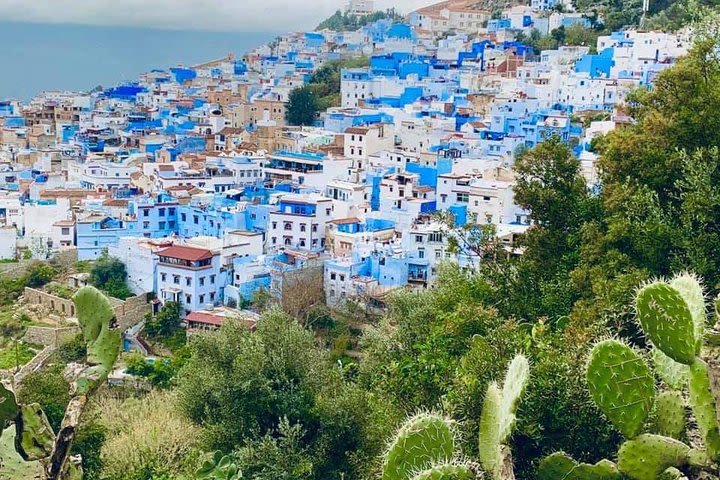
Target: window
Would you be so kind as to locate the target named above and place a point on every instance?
(274, 224)
(161, 212)
(161, 225)
(274, 240)
(288, 226)
(176, 279)
(421, 253)
(188, 281)
(418, 238)
(146, 212)
(314, 228)
(171, 225)
(201, 298)
(332, 276)
(171, 211)
(212, 296)
(188, 298)
(65, 231)
(436, 237)
(342, 278)
(146, 224)
(303, 227)
(438, 254)
(212, 279)
(202, 281)
(163, 277)
(462, 197)
(195, 219)
(183, 217)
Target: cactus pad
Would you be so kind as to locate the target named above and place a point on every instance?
(667, 321)
(670, 414)
(95, 313)
(8, 406)
(675, 374)
(35, 438)
(689, 287)
(423, 441)
(489, 437)
(447, 472)
(516, 379)
(560, 466)
(704, 408)
(219, 467)
(647, 456)
(672, 473)
(622, 385)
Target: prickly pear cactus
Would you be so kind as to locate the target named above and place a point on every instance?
(704, 408)
(8, 406)
(516, 379)
(674, 374)
(95, 313)
(670, 414)
(667, 321)
(498, 415)
(35, 435)
(219, 467)
(12, 465)
(692, 291)
(447, 472)
(423, 441)
(672, 473)
(561, 466)
(648, 456)
(489, 437)
(622, 385)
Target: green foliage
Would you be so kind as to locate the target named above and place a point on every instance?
(302, 106)
(321, 93)
(342, 21)
(88, 444)
(276, 455)
(218, 467)
(238, 384)
(167, 321)
(622, 385)
(74, 350)
(48, 388)
(670, 414)
(39, 274)
(422, 442)
(561, 466)
(109, 274)
(647, 456)
(704, 408)
(159, 373)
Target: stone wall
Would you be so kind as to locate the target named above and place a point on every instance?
(50, 336)
(127, 313)
(131, 311)
(52, 302)
(34, 364)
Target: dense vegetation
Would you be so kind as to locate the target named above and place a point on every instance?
(280, 405)
(320, 93)
(343, 21)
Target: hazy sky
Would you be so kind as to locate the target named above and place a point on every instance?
(227, 15)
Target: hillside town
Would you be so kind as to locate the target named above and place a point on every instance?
(192, 177)
(475, 240)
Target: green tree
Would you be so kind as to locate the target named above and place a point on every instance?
(109, 274)
(48, 388)
(167, 321)
(39, 274)
(302, 107)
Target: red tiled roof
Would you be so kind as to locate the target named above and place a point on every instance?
(344, 221)
(190, 254)
(204, 317)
